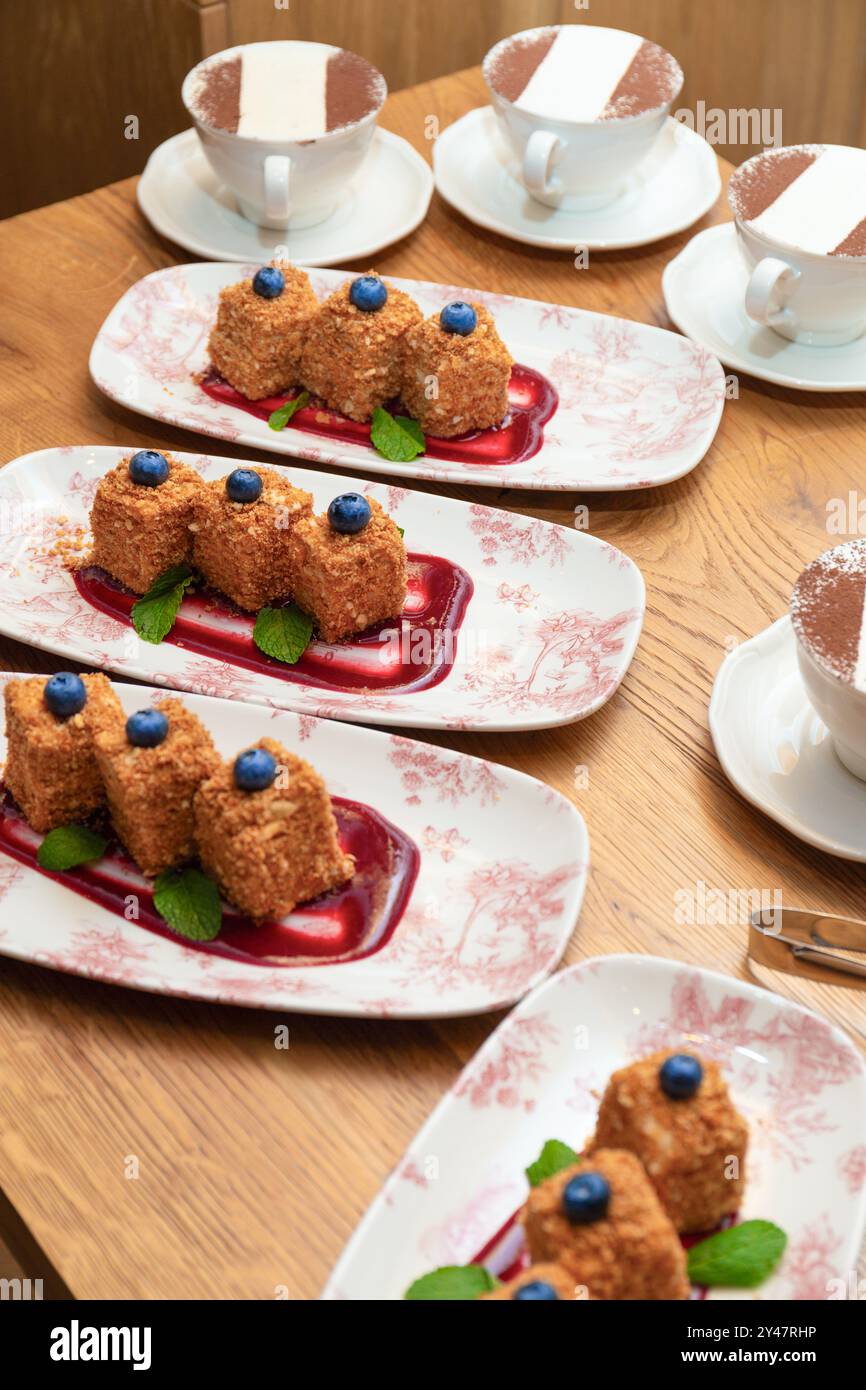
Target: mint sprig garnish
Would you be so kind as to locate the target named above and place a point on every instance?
(154, 613)
(69, 845)
(279, 418)
(739, 1257)
(190, 902)
(452, 1283)
(283, 633)
(396, 437)
(555, 1156)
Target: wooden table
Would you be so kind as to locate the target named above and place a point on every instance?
(256, 1163)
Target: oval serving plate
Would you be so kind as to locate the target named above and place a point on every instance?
(598, 403)
(541, 632)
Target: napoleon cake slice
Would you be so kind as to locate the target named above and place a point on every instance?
(141, 516)
(51, 768)
(349, 567)
(540, 1283)
(674, 1113)
(261, 326)
(352, 356)
(265, 830)
(456, 371)
(151, 764)
(241, 534)
(602, 1221)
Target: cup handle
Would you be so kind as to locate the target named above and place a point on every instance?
(277, 171)
(539, 151)
(770, 284)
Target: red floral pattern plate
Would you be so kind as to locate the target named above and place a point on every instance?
(479, 920)
(532, 624)
(632, 405)
(799, 1082)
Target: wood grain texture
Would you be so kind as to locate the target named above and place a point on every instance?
(255, 1164)
(80, 70)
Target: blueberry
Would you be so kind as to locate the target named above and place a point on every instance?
(269, 282)
(680, 1076)
(536, 1291)
(243, 485)
(147, 468)
(459, 318)
(255, 770)
(65, 694)
(585, 1198)
(146, 728)
(349, 513)
(368, 292)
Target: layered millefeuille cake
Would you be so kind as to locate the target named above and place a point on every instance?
(254, 537)
(666, 1162)
(261, 826)
(366, 345)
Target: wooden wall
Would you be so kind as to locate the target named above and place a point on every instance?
(72, 72)
(75, 70)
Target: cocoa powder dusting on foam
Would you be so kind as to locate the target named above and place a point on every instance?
(761, 180)
(515, 63)
(827, 607)
(218, 97)
(652, 78)
(854, 243)
(353, 87)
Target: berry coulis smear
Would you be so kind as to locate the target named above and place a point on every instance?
(532, 400)
(346, 925)
(407, 654)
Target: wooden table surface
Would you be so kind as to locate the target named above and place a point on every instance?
(255, 1163)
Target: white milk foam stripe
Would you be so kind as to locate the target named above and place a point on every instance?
(822, 206)
(579, 73)
(283, 91)
(860, 668)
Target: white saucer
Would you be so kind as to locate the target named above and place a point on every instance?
(182, 198)
(475, 172)
(778, 753)
(704, 288)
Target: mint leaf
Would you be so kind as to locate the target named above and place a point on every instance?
(154, 613)
(452, 1283)
(741, 1257)
(190, 902)
(553, 1158)
(278, 419)
(283, 633)
(396, 437)
(69, 845)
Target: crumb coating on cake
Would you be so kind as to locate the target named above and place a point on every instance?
(272, 849)
(51, 768)
(554, 1275)
(140, 532)
(453, 384)
(633, 1252)
(150, 790)
(352, 359)
(685, 1146)
(256, 343)
(349, 583)
(243, 548)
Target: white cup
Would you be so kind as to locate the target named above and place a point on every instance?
(283, 183)
(840, 705)
(574, 165)
(805, 296)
